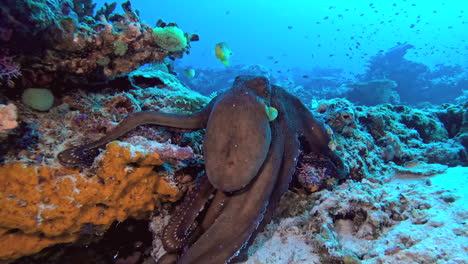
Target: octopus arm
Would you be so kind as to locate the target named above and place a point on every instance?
(84, 155)
(177, 233)
(316, 137)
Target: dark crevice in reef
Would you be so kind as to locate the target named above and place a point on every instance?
(124, 242)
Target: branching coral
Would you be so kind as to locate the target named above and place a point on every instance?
(9, 70)
(42, 206)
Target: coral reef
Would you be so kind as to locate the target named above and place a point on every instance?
(397, 207)
(211, 81)
(42, 206)
(400, 218)
(374, 139)
(415, 81)
(373, 92)
(128, 180)
(77, 48)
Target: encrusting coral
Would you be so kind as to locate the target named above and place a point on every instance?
(43, 206)
(77, 47)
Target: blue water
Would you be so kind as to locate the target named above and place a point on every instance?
(288, 34)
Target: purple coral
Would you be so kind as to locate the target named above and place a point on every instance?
(9, 69)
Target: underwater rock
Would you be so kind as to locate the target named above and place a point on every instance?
(165, 91)
(373, 92)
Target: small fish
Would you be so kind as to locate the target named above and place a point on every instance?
(290, 27)
(271, 112)
(332, 145)
(190, 72)
(305, 76)
(223, 52)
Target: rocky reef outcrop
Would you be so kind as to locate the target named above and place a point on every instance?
(74, 46)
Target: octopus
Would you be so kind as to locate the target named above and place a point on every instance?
(255, 134)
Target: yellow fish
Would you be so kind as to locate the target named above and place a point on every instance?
(223, 52)
(271, 112)
(190, 72)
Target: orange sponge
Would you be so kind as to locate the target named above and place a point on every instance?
(49, 205)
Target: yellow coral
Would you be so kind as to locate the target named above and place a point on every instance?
(48, 205)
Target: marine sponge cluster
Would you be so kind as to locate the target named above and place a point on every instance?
(43, 206)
